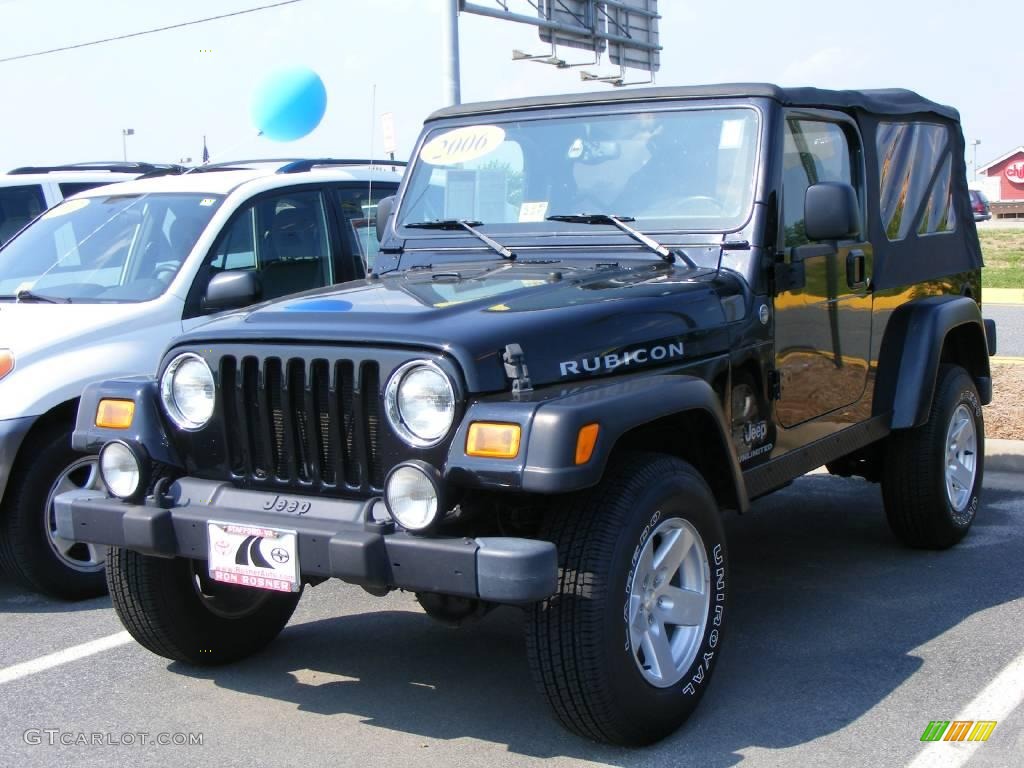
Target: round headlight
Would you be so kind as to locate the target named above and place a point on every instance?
(187, 391)
(420, 402)
(412, 496)
(120, 469)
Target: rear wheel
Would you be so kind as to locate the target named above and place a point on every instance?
(173, 608)
(30, 549)
(933, 473)
(624, 650)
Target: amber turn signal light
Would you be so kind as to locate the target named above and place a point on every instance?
(585, 442)
(493, 441)
(115, 414)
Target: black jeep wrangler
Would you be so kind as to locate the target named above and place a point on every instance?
(595, 323)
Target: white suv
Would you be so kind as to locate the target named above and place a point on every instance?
(97, 286)
(27, 192)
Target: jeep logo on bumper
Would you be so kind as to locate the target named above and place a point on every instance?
(611, 361)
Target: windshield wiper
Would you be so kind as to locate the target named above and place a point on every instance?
(469, 227)
(26, 295)
(666, 254)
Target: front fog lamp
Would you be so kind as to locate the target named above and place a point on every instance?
(413, 497)
(187, 391)
(121, 469)
(420, 402)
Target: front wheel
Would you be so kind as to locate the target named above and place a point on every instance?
(173, 608)
(30, 549)
(933, 473)
(625, 649)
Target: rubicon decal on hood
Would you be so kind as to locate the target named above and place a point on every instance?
(613, 360)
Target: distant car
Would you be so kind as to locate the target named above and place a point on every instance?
(26, 192)
(97, 286)
(980, 205)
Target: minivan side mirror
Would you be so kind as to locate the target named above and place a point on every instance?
(831, 211)
(384, 208)
(231, 290)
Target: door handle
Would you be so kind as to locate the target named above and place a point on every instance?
(856, 269)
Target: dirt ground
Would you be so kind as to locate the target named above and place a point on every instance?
(1005, 416)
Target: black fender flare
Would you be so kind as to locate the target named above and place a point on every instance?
(911, 351)
(147, 428)
(551, 424)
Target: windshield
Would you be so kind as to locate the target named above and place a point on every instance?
(122, 248)
(682, 170)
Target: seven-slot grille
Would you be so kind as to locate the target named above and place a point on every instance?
(303, 421)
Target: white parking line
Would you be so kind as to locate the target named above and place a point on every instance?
(74, 653)
(999, 699)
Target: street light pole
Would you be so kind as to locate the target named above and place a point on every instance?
(450, 46)
(975, 144)
(125, 133)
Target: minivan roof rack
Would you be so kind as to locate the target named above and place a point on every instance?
(231, 165)
(112, 167)
(226, 165)
(301, 166)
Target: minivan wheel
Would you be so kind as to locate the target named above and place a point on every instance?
(624, 650)
(933, 473)
(30, 549)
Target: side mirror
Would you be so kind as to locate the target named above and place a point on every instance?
(231, 290)
(384, 208)
(831, 211)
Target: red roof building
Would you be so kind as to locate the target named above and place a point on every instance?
(1009, 170)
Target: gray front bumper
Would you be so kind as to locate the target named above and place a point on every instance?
(12, 433)
(334, 540)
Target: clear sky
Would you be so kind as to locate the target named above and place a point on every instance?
(173, 87)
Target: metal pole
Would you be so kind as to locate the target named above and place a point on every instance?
(450, 46)
(124, 145)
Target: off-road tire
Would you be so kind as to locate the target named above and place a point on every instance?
(578, 641)
(917, 504)
(158, 603)
(26, 553)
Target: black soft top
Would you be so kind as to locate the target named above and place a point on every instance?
(878, 101)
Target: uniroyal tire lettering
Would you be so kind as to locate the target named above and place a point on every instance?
(704, 665)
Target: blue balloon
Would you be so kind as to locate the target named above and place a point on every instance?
(289, 103)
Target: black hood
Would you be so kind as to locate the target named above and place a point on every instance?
(571, 322)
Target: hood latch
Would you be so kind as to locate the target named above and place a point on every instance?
(515, 369)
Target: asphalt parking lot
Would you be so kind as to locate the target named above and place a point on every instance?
(842, 647)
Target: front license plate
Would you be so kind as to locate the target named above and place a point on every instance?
(253, 556)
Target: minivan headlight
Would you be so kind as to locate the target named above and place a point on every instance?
(187, 391)
(420, 403)
(6, 362)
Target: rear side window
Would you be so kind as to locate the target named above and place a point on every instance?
(69, 188)
(916, 179)
(359, 220)
(18, 206)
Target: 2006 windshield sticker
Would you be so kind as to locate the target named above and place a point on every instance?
(462, 144)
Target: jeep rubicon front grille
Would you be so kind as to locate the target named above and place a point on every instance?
(313, 423)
